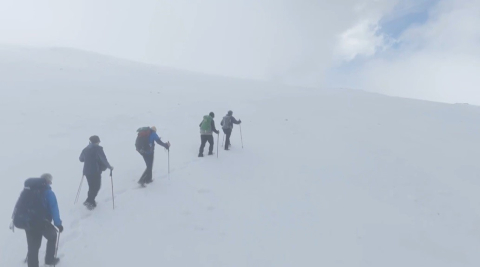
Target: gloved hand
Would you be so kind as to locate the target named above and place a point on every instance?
(60, 228)
(217, 132)
(111, 168)
(239, 121)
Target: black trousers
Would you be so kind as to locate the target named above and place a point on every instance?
(147, 175)
(94, 184)
(34, 240)
(204, 139)
(228, 133)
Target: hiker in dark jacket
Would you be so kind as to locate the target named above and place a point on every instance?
(45, 227)
(148, 155)
(95, 162)
(207, 128)
(227, 126)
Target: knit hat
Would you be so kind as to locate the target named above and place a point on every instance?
(94, 139)
(230, 113)
(47, 176)
(212, 114)
(154, 128)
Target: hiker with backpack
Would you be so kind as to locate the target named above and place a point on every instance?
(35, 209)
(95, 162)
(207, 128)
(145, 145)
(227, 126)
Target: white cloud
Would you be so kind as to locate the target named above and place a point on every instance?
(360, 40)
(438, 61)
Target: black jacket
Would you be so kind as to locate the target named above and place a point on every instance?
(94, 159)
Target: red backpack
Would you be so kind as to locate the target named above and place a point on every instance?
(143, 137)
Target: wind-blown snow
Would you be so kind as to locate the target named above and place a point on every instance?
(326, 177)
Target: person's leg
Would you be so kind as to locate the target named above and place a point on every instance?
(203, 139)
(144, 176)
(228, 133)
(210, 141)
(96, 183)
(34, 241)
(50, 233)
(149, 177)
(91, 185)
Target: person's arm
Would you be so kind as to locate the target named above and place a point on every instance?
(103, 158)
(82, 156)
(159, 141)
(235, 121)
(53, 207)
(213, 127)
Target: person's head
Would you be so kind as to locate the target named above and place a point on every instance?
(230, 113)
(48, 178)
(212, 114)
(94, 139)
(154, 128)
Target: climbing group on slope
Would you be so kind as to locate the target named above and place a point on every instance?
(37, 207)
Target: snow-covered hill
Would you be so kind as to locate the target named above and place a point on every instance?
(326, 177)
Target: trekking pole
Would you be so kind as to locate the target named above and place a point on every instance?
(218, 140)
(223, 139)
(56, 248)
(113, 196)
(169, 163)
(78, 193)
(241, 137)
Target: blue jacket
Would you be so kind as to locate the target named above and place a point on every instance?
(151, 142)
(95, 160)
(49, 202)
(51, 206)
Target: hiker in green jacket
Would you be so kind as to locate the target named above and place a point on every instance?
(207, 128)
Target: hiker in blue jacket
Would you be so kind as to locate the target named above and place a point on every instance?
(95, 162)
(148, 155)
(45, 227)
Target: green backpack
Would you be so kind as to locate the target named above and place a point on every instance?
(206, 126)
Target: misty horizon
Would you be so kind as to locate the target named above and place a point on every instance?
(427, 49)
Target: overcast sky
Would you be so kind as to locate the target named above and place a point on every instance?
(428, 49)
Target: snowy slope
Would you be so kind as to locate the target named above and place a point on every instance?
(326, 177)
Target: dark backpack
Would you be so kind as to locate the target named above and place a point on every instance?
(227, 122)
(143, 137)
(30, 210)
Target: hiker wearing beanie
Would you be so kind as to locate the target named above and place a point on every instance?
(35, 209)
(207, 128)
(95, 162)
(145, 144)
(227, 126)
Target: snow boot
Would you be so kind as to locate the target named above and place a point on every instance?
(52, 262)
(200, 155)
(210, 153)
(90, 205)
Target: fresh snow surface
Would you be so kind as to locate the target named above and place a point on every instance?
(325, 178)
